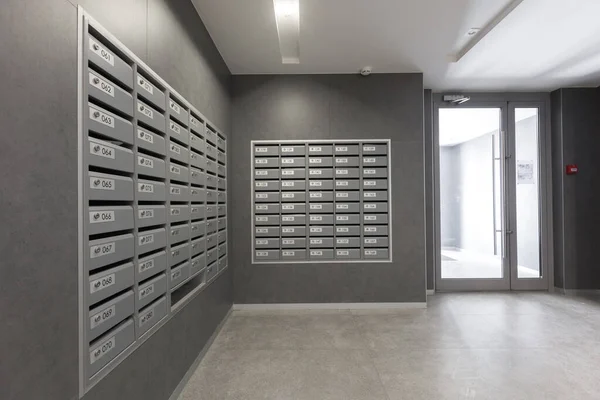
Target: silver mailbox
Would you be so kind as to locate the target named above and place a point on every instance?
(347, 161)
(149, 116)
(347, 254)
(107, 347)
(177, 111)
(150, 141)
(179, 274)
(150, 215)
(292, 231)
(105, 251)
(108, 124)
(345, 173)
(179, 213)
(151, 240)
(151, 290)
(316, 196)
(347, 196)
(326, 208)
(320, 231)
(376, 230)
(375, 184)
(109, 282)
(293, 243)
(293, 150)
(347, 230)
(109, 187)
(346, 149)
(109, 219)
(320, 219)
(265, 162)
(178, 173)
(107, 315)
(267, 150)
(347, 242)
(198, 229)
(374, 173)
(150, 190)
(320, 185)
(320, 149)
(293, 173)
(178, 152)
(381, 254)
(267, 186)
(322, 254)
(293, 220)
(106, 91)
(290, 208)
(375, 195)
(347, 207)
(345, 184)
(292, 185)
(260, 197)
(347, 219)
(317, 243)
(150, 166)
(375, 161)
(320, 162)
(375, 219)
(376, 242)
(293, 255)
(179, 254)
(266, 174)
(374, 149)
(292, 197)
(151, 315)
(105, 59)
(151, 265)
(320, 173)
(150, 92)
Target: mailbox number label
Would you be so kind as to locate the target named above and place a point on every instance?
(102, 52)
(102, 250)
(97, 217)
(145, 162)
(146, 317)
(146, 265)
(102, 316)
(146, 239)
(145, 188)
(102, 85)
(146, 214)
(102, 151)
(100, 351)
(145, 136)
(145, 85)
(175, 128)
(102, 283)
(147, 291)
(102, 184)
(101, 117)
(146, 110)
(175, 107)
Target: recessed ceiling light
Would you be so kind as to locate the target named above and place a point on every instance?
(287, 17)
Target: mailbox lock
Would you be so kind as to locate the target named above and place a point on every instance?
(96, 114)
(96, 47)
(141, 108)
(96, 81)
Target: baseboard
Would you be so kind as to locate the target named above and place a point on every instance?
(327, 306)
(576, 292)
(430, 292)
(177, 392)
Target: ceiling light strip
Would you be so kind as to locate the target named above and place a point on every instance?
(287, 18)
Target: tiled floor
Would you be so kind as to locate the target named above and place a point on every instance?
(464, 346)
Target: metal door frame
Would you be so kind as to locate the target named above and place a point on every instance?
(506, 102)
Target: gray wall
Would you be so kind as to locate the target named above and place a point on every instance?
(329, 107)
(38, 201)
(429, 202)
(576, 135)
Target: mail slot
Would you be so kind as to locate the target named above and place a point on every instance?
(320, 219)
(267, 186)
(267, 243)
(374, 173)
(149, 116)
(197, 211)
(221, 211)
(197, 125)
(320, 173)
(320, 231)
(320, 150)
(150, 92)
(148, 215)
(289, 208)
(211, 181)
(347, 219)
(376, 242)
(376, 195)
(315, 196)
(375, 161)
(376, 254)
(211, 226)
(107, 315)
(374, 184)
(293, 255)
(347, 162)
(106, 283)
(293, 173)
(198, 246)
(197, 177)
(151, 290)
(374, 149)
(211, 166)
(264, 255)
(293, 220)
(210, 135)
(347, 254)
(317, 243)
(198, 264)
(221, 144)
(197, 143)
(179, 254)
(221, 184)
(198, 229)
(197, 194)
(347, 196)
(347, 231)
(179, 192)
(150, 166)
(375, 207)
(150, 141)
(107, 347)
(266, 174)
(151, 240)
(221, 157)
(177, 111)
(347, 184)
(222, 223)
(375, 219)
(293, 243)
(322, 254)
(151, 315)
(178, 152)
(109, 62)
(151, 265)
(266, 150)
(290, 197)
(260, 197)
(211, 196)
(376, 230)
(108, 92)
(266, 162)
(293, 231)
(347, 173)
(108, 124)
(222, 171)
(320, 161)
(150, 190)
(109, 219)
(101, 252)
(197, 160)
(178, 173)
(180, 274)
(346, 149)
(347, 207)
(179, 233)
(298, 150)
(347, 242)
(291, 185)
(326, 208)
(211, 211)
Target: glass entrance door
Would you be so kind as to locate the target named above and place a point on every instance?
(488, 197)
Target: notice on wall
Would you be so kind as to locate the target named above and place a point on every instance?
(525, 172)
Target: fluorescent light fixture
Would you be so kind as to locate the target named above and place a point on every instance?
(287, 17)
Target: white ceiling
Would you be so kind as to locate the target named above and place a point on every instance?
(541, 45)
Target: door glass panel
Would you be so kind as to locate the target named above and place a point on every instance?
(527, 207)
(470, 193)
